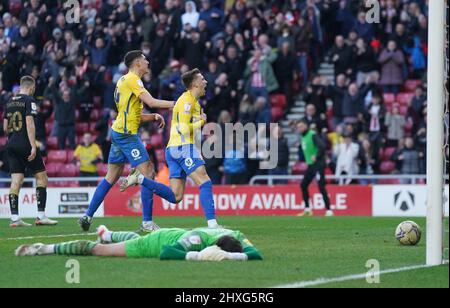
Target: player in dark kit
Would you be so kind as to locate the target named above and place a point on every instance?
(22, 153)
(314, 152)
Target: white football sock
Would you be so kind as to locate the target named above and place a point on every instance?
(47, 250)
(107, 236)
(14, 218)
(41, 215)
(212, 223)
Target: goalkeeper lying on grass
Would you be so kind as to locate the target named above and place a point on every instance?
(202, 244)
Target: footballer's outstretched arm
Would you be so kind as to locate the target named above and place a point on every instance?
(153, 117)
(152, 102)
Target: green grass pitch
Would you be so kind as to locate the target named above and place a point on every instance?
(295, 250)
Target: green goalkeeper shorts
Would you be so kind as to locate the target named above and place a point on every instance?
(143, 247)
(150, 246)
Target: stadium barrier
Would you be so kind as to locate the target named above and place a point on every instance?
(246, 200)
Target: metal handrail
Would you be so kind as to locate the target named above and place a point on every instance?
(412, 177)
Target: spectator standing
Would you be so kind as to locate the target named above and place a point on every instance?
(392, 62)
(347, 159)
(88, 154)
(64, 114)
(395, 123)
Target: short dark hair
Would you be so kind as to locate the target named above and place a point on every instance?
(27, 82)
(131, 56)
(189, 77)
(229, 244)
(304, 121)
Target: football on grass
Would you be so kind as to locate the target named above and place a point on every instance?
(408, 233)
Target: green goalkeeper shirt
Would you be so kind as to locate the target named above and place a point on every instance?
(180, 241)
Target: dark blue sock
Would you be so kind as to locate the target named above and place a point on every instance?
(99, 196)
(160, 190)
(207, 201)
(147, 204)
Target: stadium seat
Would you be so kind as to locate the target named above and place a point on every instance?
(299, 168)
(389, 182)
(404, 98)
(277, 113)
(95, 114)
(97, 101)
(57, 156)
(328, 171)
(388, 98)
(48, 128)
(70, 155)
(52, 143)
(81, 128)
(278, 100)
(102, 169)
(92, 127)
(403, 110)
(387, 153)
(53, 168)
(3, 140)
(387, 167)
(411, 85)
(157, 141)
(68, 170)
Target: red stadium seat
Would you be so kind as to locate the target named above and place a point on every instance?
(52, 143)
(48, 127)
(328, 171)
(82, 128)
(102, 169)
(160, 156)
(157, 141)
(92, 127)
(404, 98)
(68, 170)
(70, 155)
(389, 182)
(97, 101)
(411, 85)
(388, 98)
(387, 167)
(403, 110)
(299, 168)
(53, 168)
(388, 153)
(278, 100)
(58, 156)
(277, 113)
(95, 114)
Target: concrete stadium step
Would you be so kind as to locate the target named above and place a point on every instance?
(298, 110)
(294, 116)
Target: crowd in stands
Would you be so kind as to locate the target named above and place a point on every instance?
(258, 56)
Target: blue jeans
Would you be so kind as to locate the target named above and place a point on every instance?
(66, 132)
(257, 92)
(303, 64)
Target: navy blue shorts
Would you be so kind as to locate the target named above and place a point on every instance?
(125, 148)
(183, 160)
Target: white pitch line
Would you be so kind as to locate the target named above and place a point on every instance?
(47, 236)
(322, 281)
